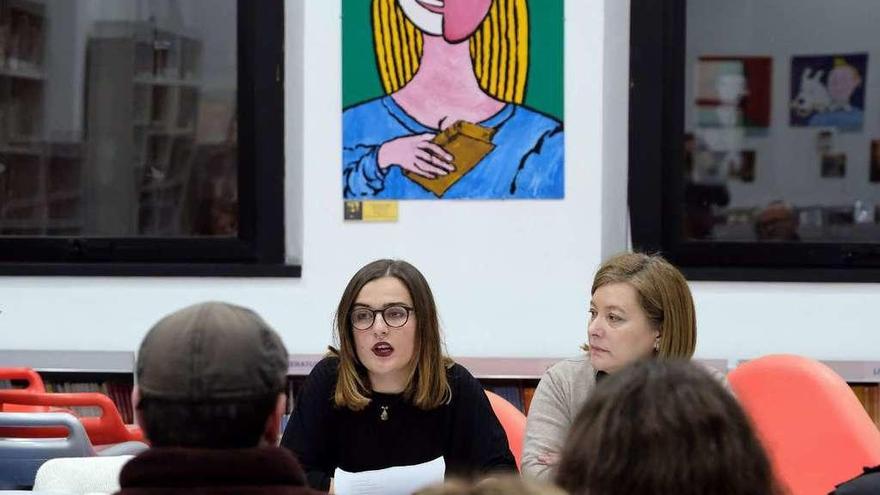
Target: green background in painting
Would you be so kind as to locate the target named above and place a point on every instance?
(544, 89)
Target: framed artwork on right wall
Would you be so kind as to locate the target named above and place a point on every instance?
(750, 146)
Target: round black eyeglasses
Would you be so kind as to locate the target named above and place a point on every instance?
(393, 316)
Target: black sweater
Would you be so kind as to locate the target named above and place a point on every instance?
(465, 431)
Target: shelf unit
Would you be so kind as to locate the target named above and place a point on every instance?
(505, 375)
(143, 97)
(106, 372)
(39, 181)
(485, 368)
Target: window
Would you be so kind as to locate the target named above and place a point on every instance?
(754, 142)
(142, 137)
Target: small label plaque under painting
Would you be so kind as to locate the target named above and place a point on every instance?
(370, 211)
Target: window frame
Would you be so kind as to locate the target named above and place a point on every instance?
(259, 248)
(656, 158)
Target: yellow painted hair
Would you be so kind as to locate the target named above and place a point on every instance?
(499, 48)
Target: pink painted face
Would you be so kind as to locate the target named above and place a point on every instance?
(842, 82)
(455, 20)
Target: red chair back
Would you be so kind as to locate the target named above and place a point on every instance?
(34, 384)
(33, 379)
(815, 430)
(106, 429)
(512, 420)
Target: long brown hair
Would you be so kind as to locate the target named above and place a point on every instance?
(427, 386)
(665, 428)
(664, 296)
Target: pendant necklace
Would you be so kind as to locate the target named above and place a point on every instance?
(384, 414)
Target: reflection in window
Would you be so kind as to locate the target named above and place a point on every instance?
(782, 137)
(118, 118)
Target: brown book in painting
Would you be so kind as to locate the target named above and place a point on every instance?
(468, 143)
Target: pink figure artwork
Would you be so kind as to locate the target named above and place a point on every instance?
(388, 140)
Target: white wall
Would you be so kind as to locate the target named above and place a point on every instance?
(510, 277)
(787, 165)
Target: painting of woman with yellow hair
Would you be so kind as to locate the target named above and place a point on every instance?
(451, 123)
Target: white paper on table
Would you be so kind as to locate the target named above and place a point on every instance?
(396, 480)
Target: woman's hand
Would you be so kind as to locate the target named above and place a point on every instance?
(549, 458)
(416, 154)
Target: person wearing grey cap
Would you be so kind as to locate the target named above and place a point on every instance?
(209, 397)
(388, 409)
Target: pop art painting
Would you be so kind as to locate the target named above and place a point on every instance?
(734, 92)
(828, 91)
(452, 99)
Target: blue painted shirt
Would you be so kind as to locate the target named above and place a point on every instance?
(527, 162)
(850, 120)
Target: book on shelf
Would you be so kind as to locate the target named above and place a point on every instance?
(510, 393)
(869, 395)
(528, 393)
(294, 385)
(22, 34)
(119, 393)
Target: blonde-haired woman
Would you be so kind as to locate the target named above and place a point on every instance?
(440, 62)
(389, 397)
(641, 308)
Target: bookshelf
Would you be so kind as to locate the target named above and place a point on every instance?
(512, 377)
(864, 378)
(38, 180)
(106, 372)
(515, 379)
(142, 97)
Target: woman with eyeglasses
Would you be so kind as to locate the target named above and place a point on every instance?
(388, 397)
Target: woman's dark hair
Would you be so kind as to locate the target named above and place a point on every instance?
(664, 428)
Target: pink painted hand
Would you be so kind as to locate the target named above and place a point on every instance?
(416, 154)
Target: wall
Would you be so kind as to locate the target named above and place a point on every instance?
(787, 162)
(510, 278)
(512, 269)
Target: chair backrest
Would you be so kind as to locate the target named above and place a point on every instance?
(106, 429)
(81, 475)
(815, 430)
(512, 420)
(21, 457)
(33, 379)
(34, 384)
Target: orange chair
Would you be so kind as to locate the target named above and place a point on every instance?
(512, 420)
(105, 429)
(815, 430)
(33, 379)
(34, 384)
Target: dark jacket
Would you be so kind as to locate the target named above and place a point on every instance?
(170, 471)
(867, 483)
